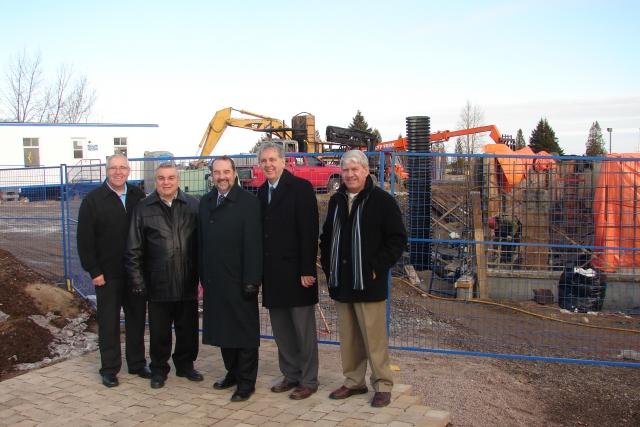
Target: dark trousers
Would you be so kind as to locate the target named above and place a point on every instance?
(110, 298)
(294, 329)
(241, 364)
(183, 315)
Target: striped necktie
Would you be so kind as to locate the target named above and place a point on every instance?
(220, 199)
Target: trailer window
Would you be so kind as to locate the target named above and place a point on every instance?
(31, 147)
(77, 150)
(120, 146)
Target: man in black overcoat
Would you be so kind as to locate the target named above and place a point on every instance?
(230, 269)
(362, 237)
(103, 222)
(161, 261)
(289, 287)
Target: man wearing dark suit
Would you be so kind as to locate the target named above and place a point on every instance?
(230, 269)
(289, 287)
(103, 221)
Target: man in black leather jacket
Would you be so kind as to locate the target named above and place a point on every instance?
(161, 261)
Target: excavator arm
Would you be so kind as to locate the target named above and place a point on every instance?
(222, 119)
(440, 136)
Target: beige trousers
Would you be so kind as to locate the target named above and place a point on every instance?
(363, 336)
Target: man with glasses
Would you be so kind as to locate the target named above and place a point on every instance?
(103, 222)
(162, 261)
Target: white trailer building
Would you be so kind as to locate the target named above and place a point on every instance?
(33, 152)
(53, 144)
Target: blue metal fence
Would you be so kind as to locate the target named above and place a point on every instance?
(509, 256)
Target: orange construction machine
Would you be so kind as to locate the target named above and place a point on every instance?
(440, 136)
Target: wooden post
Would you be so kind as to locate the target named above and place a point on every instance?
(481, 256)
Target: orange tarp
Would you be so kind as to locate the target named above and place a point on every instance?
(617, 200)
(515, 169)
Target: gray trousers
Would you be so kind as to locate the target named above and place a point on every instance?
(294, 329)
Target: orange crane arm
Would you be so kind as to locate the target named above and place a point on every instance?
(445, 135)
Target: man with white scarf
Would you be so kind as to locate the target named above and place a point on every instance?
(363, 236)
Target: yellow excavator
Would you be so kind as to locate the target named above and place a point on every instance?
(303, 129)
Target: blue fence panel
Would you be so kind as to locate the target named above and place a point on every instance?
(509, 255)
(31, 221)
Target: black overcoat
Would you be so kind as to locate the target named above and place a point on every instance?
(290, 237)
(103, 224)
(384, 238)
(230, 248)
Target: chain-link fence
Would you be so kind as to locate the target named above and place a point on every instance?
(32, 222)
(509, 255)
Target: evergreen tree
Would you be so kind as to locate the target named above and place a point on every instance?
(595, 141)
(543, 138)
(359, 123)
(520, 142)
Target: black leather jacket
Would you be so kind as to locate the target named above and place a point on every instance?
(162, 249)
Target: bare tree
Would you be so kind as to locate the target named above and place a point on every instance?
(79, 103)
(20, 94)
(26, 98)
(54, 100)
(471, 116)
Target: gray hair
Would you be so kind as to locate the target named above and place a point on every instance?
(167, 165)
(354, 156)
(269, 145)
(117, 156)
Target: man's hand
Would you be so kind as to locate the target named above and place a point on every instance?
(250, 292)
(307, 281)
(374, 275)
(98, 281)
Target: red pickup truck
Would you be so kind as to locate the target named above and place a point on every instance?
(322, 176)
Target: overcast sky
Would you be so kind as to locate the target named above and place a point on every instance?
(175, 63)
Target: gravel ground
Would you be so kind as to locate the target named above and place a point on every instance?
(482, 391)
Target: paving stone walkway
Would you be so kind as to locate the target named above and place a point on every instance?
(70, 394)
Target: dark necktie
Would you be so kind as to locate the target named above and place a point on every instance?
(270, 193)
(220, 199)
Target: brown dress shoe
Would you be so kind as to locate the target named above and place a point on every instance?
(302, 392)
(284, 385)
(344, 392)
(381, 399)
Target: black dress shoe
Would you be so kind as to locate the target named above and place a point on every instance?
(143, 372)
(241, 396)
(224, 383)
(110, 380)
(158, 381)
(191, 375)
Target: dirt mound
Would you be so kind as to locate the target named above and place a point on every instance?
(52, 299)
(25, 299)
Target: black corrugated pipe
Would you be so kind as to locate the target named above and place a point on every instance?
(419, 187)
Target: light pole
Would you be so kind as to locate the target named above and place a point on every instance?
(609, 130)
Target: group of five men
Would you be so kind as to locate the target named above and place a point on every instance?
(155, 250)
